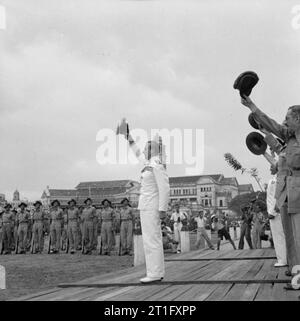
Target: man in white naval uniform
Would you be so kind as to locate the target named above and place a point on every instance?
(275, 222)
(153, 204)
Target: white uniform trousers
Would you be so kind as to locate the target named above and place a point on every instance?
(278, 239)
(153, 244)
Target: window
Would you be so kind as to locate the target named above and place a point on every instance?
(221, 203)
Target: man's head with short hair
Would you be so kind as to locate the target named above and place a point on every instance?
(292, 119)
(177, 207)
(200, 214)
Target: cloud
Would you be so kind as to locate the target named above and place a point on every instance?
(70, 68)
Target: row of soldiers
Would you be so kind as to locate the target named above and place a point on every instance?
(71, 229)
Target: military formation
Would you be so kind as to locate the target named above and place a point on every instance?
(71, 229)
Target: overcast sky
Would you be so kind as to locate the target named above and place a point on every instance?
(70, 68)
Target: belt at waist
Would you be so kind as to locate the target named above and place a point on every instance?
(73, 220)
(6, 223)
(107, 220)
(56, 221)
(37, 221)
(126, 220)
(24, 222)
(88, 221)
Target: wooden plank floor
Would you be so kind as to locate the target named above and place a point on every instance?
(204, 275)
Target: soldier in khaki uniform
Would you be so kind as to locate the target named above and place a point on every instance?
(56, 218)
(88, 216)
(22, 220)
(80, 228)
(38, 218)
(289, 132)
(95, 231)
(1, 224)
(14, 229)
(126, 227)
(106, 221)
(73, 225)
(64, 229)
(7, 228)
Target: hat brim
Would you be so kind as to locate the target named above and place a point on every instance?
(106, 200)
(245, 82)
(256, 144)
(252, 121)
(23, 204)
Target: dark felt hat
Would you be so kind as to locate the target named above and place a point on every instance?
(37, 202)
(256, 144)
(106, 200)
(252, 121)
(72, 200)
(55, 201)
(22, 203)
(245, 82)
(125, 199)
(7, 205)
(88, 199)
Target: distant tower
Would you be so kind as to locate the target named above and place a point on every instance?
(16, 197)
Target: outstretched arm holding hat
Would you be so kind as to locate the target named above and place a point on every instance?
(265, 121)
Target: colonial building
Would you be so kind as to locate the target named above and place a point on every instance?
(115, 191)
(245, 189)
(210, 192)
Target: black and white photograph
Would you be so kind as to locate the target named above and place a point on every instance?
(150, 153)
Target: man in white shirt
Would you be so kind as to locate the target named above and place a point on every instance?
(201, 232)
(275, 222)
(176, 218)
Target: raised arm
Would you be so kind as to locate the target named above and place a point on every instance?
(265, 121)
(123, 129)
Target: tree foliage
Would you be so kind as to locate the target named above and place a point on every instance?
(244, 199)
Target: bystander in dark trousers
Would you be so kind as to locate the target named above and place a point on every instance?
(245, 233)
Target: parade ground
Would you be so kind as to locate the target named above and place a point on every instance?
(201, 275)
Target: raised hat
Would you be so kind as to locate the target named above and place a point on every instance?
(245, 82)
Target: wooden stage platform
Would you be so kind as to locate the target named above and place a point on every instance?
(204, 275)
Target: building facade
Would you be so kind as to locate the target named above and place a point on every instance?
(208, 192)
(115, 191)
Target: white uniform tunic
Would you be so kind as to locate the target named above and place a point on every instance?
(276, 224)
(154, 197)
